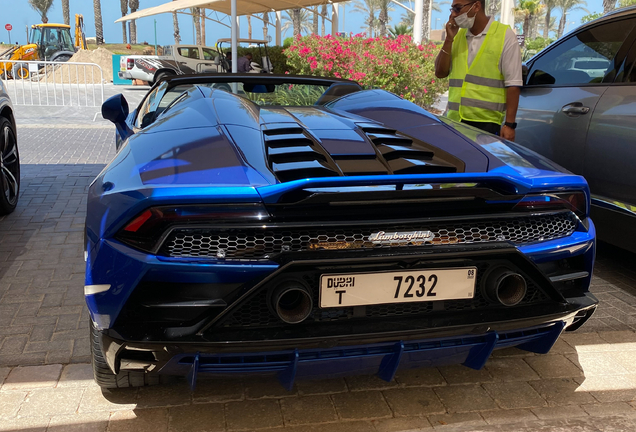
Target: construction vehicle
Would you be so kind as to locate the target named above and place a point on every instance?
(48, 42)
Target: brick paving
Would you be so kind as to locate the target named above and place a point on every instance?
(586, 383)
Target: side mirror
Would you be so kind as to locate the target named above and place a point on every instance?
(115, 109)
(524, 73)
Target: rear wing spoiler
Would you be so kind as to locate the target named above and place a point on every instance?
(509, 183)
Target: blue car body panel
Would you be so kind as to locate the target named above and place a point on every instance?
(212, 151)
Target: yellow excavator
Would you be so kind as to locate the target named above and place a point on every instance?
(48, 42)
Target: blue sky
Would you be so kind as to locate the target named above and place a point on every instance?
(19, 14)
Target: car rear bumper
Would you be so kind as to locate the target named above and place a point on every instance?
(381, 354)
(125, 75)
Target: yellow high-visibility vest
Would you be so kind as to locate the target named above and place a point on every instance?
(477, 93)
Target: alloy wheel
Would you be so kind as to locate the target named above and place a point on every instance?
(9, 165)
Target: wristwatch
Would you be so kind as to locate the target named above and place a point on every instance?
(511, 125)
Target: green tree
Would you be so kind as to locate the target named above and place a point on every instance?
(42, 7)
(591, 17)
(566, 7)
(625, 3)
(399, 30)
(66, 12)
(99, 26)
(527, 12)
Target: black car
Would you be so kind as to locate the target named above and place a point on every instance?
(9, 157)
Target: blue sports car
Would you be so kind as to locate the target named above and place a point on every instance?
(306, 227)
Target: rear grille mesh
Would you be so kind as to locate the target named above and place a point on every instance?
(263, 244)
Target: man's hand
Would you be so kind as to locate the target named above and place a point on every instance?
(451, 28)
(507, 133)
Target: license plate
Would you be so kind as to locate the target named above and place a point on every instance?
(358, 289)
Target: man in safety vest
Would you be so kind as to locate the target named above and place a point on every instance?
(483, 59)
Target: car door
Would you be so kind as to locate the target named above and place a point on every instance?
(611, 153)
(558, 99)
(208, 64)
(187, 58)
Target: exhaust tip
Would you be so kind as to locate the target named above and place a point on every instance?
(292, 302)
(505, 286)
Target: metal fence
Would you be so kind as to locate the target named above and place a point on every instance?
(44, 83)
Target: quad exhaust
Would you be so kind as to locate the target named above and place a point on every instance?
(505, 286)
(291, 301)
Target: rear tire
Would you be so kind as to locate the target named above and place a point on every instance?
(10, 171)
(105, 378)
(21, 71)
(62, 58)
(161, 75)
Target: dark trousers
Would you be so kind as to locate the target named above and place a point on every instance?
(493, 128)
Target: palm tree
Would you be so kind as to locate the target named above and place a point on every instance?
(134, 5)
(383, 17)
(66, 12)
(408, 18)
(526, 12)
(568, 6)
(298, 20)
(197, 25)
(123, 5)
(99, 27)
(323, 14)
(265, 24)
(368, 8)
(249, 27)
(315, 23)
(493, 7)
(608, 5)
(552, 27)
(400, 29)
(42, 7)
(549, 5)
(175, 24)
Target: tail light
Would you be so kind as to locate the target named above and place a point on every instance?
(576, 202)
(145, 230)
(130, 63)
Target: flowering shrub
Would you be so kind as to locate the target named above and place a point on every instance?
(396, 65)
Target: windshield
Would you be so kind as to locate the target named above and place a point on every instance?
(286, 94)
(36, 33)
(56, 39)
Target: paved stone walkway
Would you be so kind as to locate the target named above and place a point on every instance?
(587, 382)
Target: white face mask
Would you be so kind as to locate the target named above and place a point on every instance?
(464, 21)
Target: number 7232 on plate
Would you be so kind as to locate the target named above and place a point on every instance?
(357, 289)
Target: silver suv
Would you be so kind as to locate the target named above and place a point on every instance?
(578, 108)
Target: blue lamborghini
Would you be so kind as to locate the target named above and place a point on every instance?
(307, 227)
